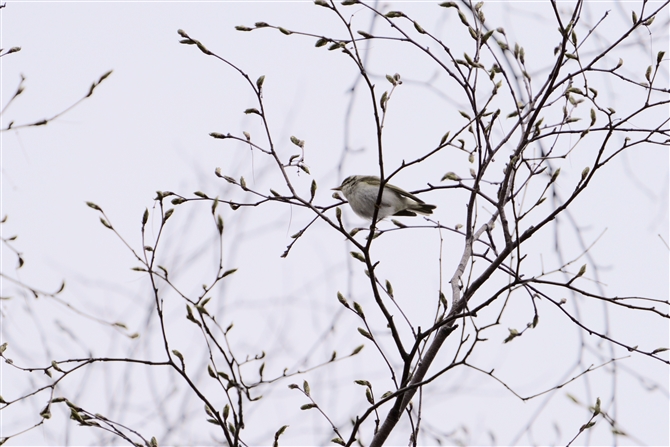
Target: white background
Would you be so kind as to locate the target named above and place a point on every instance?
(146, 129)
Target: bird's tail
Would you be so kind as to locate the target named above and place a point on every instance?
(421, 208)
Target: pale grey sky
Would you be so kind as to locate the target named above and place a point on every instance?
(146, 128)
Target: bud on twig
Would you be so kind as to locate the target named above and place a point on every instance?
(365, 333)
(342, 300)
(357, 349)
(389, 288)
(358, 256)
(359, 310)
(451, 176)
(297, 142)
(419, 28)
(94, 206)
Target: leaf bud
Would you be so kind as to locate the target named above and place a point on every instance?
(358, 256)
(581, 271)
(368, 396)
(357, 349)
(359, 310)
(365, 333)
(419, 28)
(297, 142)
(342, 300)
(394, 14)
(464, 20)
(444, 138)
(451, 176)
(94, 206)
(389, 288)
(167, 215)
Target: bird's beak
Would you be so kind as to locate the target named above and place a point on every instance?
(339, 188)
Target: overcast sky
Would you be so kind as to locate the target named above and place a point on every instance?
(146, 128)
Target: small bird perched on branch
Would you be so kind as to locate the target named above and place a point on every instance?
(361, 191)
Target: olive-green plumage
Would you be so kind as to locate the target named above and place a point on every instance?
(361, 191)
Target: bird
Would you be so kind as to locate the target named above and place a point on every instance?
(362, 190)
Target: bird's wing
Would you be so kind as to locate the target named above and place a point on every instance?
(404, 193)
(370, 179)
(374, 181)
(405, 213)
